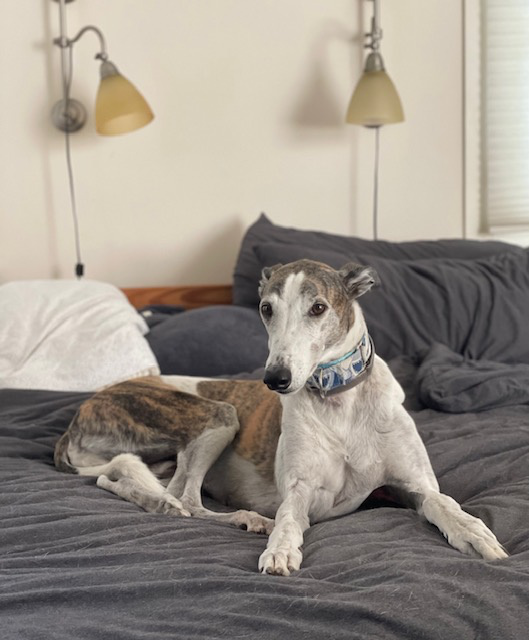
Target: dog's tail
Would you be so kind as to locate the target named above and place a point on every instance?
(60, 456)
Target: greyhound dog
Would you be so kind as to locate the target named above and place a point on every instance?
(326, 429)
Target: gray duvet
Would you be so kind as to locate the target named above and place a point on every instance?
(77, 562)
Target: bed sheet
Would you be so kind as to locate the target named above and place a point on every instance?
(78, 562)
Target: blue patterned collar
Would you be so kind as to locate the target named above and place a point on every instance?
(345, 372)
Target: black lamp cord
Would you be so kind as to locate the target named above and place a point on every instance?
(67, 82)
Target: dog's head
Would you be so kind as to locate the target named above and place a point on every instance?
(310, 313)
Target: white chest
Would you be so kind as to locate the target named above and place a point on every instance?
(335, 450)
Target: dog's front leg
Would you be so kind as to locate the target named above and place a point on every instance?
(410, 471)
(283, 551)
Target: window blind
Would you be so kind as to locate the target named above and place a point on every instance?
(505, 115)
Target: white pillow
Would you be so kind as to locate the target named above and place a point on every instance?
(70, 335)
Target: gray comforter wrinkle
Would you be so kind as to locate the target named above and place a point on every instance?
(449, 382)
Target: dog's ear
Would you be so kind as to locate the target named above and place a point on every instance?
(358, 279)
(266, 274)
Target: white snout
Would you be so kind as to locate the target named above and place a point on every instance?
(296, 358)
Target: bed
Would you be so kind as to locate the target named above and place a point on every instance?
(77, 562)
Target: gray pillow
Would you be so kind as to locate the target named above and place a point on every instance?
(211, 341)
(478, 308)
(248, 269)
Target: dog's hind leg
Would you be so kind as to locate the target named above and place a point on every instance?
(192, 465)
(131, 479)
(132, 491)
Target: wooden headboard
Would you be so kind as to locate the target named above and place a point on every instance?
(190, 297)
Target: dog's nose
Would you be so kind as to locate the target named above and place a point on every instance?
(277, 378)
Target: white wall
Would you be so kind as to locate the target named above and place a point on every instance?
(249, 97)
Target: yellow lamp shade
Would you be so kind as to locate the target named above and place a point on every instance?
(120, 107)
(375, 101)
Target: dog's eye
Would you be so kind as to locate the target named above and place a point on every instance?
(266, 310)
(317, 309)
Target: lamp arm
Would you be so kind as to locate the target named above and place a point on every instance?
(65, 42)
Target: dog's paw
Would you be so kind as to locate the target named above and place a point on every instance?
(472, 537)
(171, 506)
(464, 532)
(253, 521)
(280, 561)
(103, 482)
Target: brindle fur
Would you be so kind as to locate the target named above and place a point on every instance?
(259, 414)
(144, 416)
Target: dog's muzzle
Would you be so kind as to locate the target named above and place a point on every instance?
(278, 378)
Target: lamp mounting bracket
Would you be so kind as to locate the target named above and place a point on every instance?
(69, 115)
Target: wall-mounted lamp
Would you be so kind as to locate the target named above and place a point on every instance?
(120, 107)
(375, 101)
